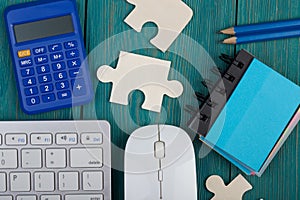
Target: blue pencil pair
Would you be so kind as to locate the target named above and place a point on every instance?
(262, 32)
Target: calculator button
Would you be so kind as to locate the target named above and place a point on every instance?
(72, 54)
(76, 73)
(39, 50)
(24, 53)
(70, 44)
(31, 91)
(41, 60)
(64, 94)
(60, 76)
(43, 69)
(48, 98)
(58, 66)
(74, 63)
(33, 101)
(26, 62)
(45, 79)
(27, 72)
(46, 88)
(62, 85)
(78, 87)
(55, 47)
(57, 56)
(29, 81)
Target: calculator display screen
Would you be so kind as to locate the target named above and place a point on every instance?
(44, 28)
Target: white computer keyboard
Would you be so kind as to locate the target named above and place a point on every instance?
(55, 160)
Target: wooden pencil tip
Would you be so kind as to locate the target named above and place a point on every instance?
(231, 40)
(228, 31)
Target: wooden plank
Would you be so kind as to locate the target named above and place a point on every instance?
(10, 109)
(105, 32)
(281, 179)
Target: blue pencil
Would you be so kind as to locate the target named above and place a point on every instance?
(278, 26)
(262, 37)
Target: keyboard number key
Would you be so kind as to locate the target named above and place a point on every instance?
(33, 101)
(68, 181)
(8, 159)
(56, 158)
(20, 182)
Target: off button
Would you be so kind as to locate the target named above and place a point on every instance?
(24, 53)
(39, 50)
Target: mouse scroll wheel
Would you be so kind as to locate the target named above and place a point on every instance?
(159, 150)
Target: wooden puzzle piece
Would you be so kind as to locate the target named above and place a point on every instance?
(136, 72)
(233, 191)
(171, 17)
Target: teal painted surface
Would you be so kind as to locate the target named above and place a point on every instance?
(103, 23)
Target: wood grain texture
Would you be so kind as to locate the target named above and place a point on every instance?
(106, 34)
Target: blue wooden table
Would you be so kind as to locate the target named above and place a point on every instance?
(106, 34)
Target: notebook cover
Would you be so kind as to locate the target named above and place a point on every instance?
(255, 116)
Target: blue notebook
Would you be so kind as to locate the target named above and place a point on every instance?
(260, 111)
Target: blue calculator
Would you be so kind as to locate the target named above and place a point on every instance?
(48, 55)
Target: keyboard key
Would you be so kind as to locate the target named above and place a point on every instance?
(2, 182)
(58, 66)
(39, 50)
(48, 98)
(68, 181)
(31, 158)
(44, 181)
(8, 159)
(31, 91)
(56, 158)
(46, 88)
(60, 76)
(45, 78)
(72, 54)
(29, 81)
(79, 88)
(41, 60)
(55, 47)
(16, 139)
(66, 138)
(76, 73)
(64, 95)
(85, 197)
(27, 72)
(6, 197)
(93, 181)
(91, 138)
(33, 101)
(86, 158)
(74, 63)
(20, 182)
(70, 44)
(26, 62)
(43, 69)
(62, 85)
(41, 139)
(23, 197)
(50, 197)
(57, 56)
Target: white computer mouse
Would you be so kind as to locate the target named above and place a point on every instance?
(160, 164)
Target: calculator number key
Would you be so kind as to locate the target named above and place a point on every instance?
(72, 54)
(58, 66)
(70, 44)
(57, 56)
(31, 91)
(46, 88)
(43, 69)
(62, 85)
(33, 101)
(27, 72)
(45, 79)
(41, 60)
(29, 81)
(60, 76)
(55, 47)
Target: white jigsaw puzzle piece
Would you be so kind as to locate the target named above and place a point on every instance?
(136, 72)
(171, 17)
(233, 191)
